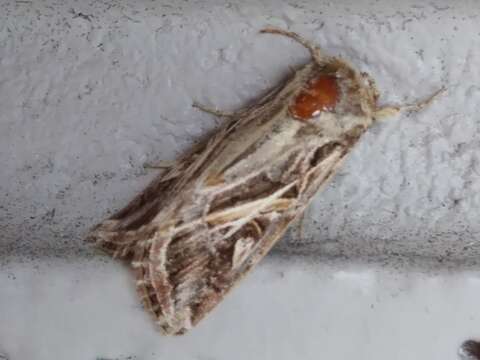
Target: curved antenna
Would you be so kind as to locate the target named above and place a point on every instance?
(315, 51)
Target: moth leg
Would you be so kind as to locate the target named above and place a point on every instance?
(384, 112)
(216, 112)
(315, 51)
(162, 164)
(301, 226)
(171, 169)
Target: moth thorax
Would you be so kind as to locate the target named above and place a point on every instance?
(319, 94)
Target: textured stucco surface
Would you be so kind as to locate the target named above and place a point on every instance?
(89, 91)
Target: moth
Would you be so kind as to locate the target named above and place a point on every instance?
(210, 217)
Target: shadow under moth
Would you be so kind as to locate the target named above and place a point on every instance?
(210, 217)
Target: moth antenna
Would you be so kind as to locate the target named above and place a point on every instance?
(419, 105)
(384, 112)
(315, 51)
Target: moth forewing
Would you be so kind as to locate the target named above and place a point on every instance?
(199, 227)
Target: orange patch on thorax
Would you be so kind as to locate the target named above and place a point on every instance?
(320, 94)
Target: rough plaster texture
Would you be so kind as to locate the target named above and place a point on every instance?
(89, 91)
